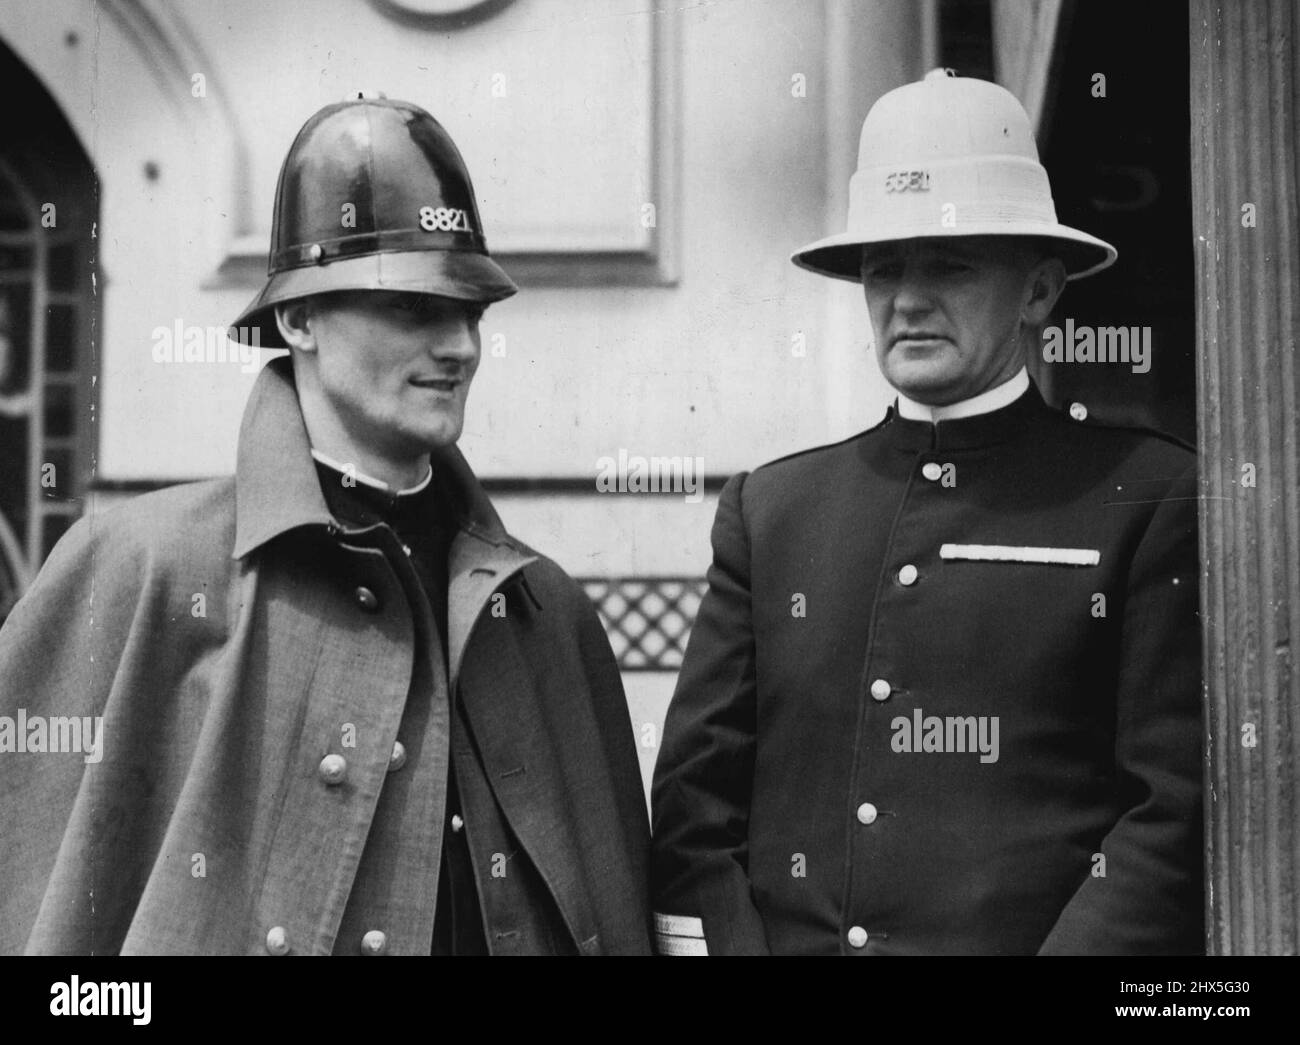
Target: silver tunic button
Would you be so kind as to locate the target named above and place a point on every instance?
(866, 813)
(1078, 411)
(277, 941)
(907, 575)
(932, 470)
(857, 936)
(457, 824)
(333, 768)
(398, 758)
(374, 942)
(880, 689)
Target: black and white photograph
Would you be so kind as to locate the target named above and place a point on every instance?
(650, 478)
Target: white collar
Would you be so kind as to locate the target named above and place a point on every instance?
(985, 403)
(378, 484)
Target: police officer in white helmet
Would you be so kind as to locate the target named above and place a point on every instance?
(943, 693)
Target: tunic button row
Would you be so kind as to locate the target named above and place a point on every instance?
(866, 813)
(398, 758)
(907, 575)
(932, 470)
(374, 942)
(277, 941)
(880, 689)
(857, 936)
(333, 768)
(366, 599)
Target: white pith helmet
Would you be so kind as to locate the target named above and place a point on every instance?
(949, 156)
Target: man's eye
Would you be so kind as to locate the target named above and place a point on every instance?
(422, 305)
(881, 271)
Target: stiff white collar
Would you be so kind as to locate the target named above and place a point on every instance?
(360, 477)
(985, 403)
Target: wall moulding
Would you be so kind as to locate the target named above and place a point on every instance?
(613, 247)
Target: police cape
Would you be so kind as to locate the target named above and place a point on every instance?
(251, 695)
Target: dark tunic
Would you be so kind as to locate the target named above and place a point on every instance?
(425, 524)
(1017, 569)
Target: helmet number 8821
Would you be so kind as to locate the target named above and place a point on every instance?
(444, 219)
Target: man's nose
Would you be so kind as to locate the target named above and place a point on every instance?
(456, 340)
(912, 296)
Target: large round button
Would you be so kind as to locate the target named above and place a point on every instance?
(1078, 411)
(374, 942)
(907, 575)
(277, 941)
(398, 758)
(932, 470)
(857, 936)
(457, 824)
(366, 599)
(880, 689)
(866, 813)
(333, 768)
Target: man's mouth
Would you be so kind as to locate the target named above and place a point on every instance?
(447, 385)
(916, 336)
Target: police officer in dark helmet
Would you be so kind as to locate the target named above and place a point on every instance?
(392, 728)
(943, 693)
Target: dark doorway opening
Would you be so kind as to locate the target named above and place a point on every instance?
(1120, 165)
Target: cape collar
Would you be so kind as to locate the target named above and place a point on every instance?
(277, 488)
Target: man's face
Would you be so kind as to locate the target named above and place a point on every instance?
(946, 312)
(395, 368)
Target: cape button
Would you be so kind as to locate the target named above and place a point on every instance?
(277, 941)
(366, 599)
(932, 470)
(398, 758)
(333, 768)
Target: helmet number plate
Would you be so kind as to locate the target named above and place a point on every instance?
(907, 181)
(444, 219)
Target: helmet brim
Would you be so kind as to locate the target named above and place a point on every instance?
(840, 257)
(459, 274)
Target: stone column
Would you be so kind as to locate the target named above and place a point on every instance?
(1245, 166)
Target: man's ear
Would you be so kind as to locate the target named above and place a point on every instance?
(1043, 285)
(294, 320)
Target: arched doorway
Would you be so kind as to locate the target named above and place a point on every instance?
(48, 209)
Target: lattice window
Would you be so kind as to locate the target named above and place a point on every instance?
(647, 619)
(42, 327)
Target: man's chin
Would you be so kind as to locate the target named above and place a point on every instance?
(934, 386)
(423, 439)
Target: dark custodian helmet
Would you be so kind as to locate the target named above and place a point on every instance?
(373, 195)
